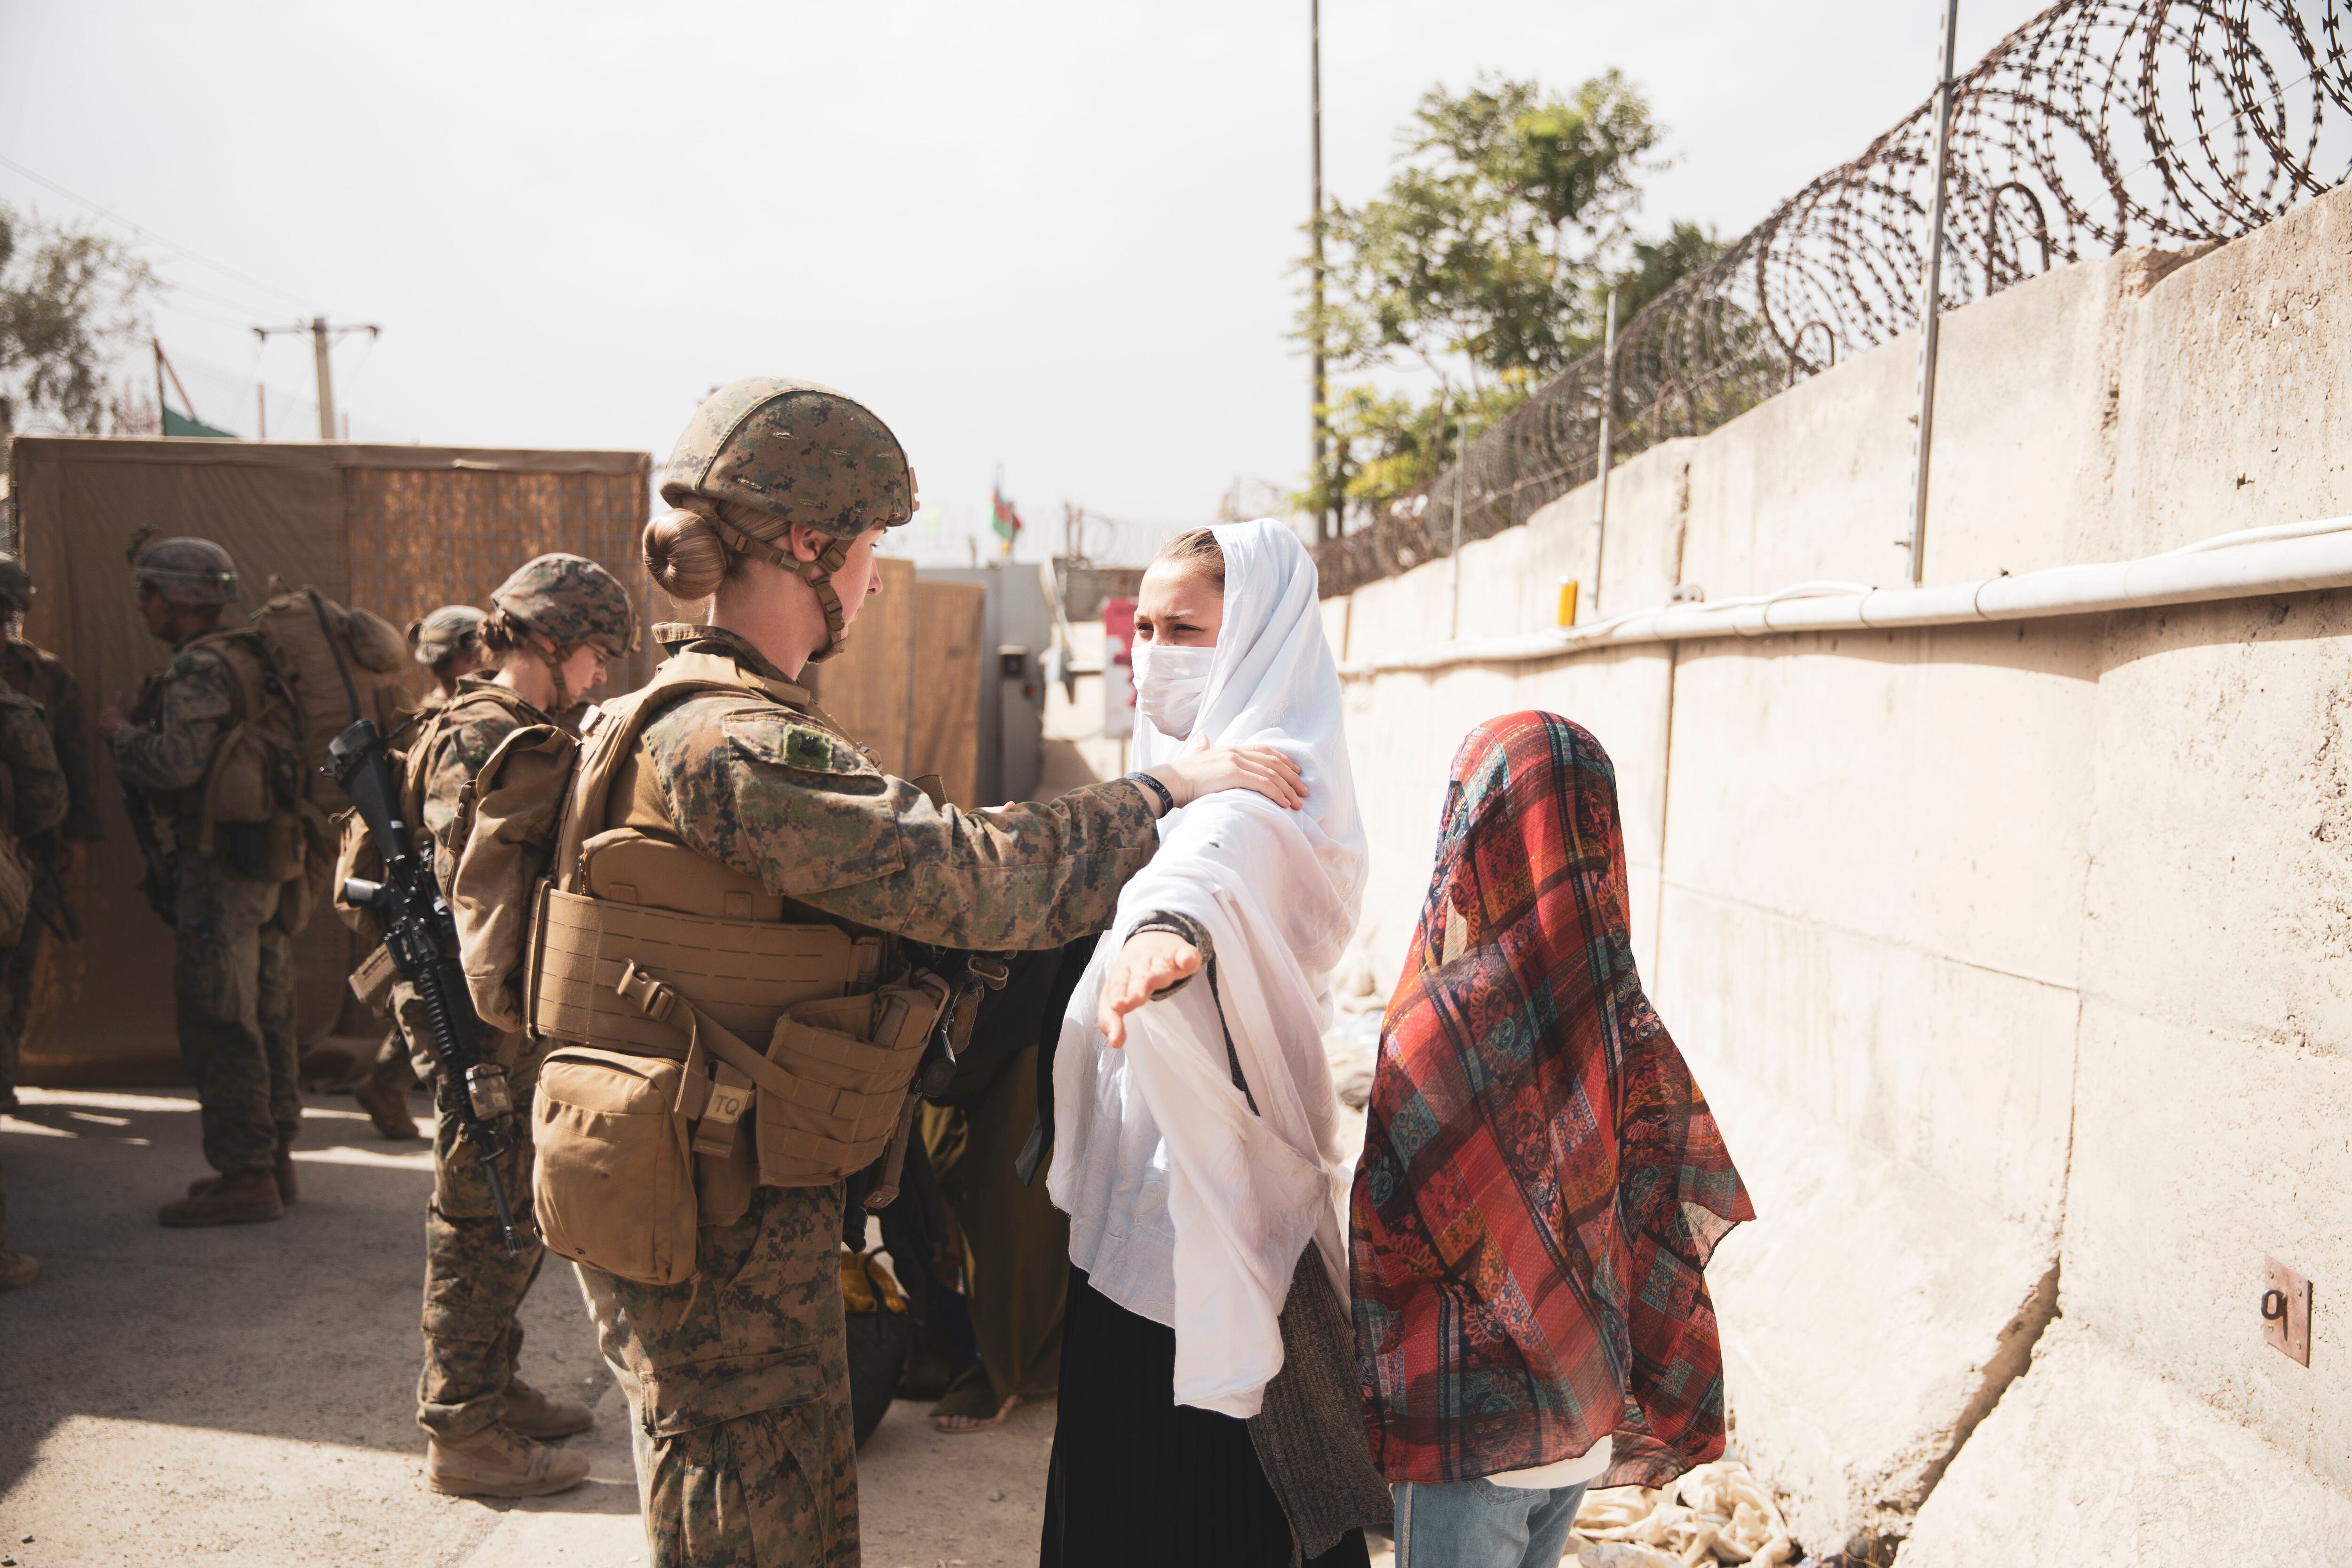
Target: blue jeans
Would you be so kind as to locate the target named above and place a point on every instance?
(1477, 1524)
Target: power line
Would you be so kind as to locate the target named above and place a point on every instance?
(149, 234)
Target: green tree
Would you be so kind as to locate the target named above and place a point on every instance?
(1486, 264)
(69, 301)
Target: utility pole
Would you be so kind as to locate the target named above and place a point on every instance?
(1326, 525)
(322, 337)
(1931, 299)
(1607, 415)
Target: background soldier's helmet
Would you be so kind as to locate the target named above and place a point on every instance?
(188, 572)
(797, 451)
(569, 600)
(15, 587)
(450, 632)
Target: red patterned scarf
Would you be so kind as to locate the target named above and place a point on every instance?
(1541, 1181)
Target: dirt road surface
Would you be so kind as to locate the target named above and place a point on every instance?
(246, 1395)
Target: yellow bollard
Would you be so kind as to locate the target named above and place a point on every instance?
(1567, 602)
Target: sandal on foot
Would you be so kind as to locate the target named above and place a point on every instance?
(970, 1403)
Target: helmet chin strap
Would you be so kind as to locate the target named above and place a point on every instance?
(555, 663)
(817, 574)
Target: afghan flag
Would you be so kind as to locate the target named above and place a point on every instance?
(1004, 520)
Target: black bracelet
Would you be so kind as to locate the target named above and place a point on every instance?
(1145, 780)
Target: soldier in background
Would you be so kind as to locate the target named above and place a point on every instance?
(554, 625)
(448, 642)
(58, 854)
(35, 787)
(233, 965)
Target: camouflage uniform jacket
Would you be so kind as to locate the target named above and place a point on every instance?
(177, 725)
(778, 791)
(42, 677)
(35, 783)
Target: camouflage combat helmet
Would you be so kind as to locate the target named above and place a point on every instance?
(450, 632)
(569, 600)
(15, 587)
(185, 570)
(795, 452)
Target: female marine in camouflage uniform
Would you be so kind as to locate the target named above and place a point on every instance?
(783, 489)
(553, 623)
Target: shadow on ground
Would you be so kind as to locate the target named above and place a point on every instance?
(246, 1391)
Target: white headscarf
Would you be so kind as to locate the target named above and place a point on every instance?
(1184, 1207)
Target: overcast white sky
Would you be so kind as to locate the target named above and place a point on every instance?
(1053, 235)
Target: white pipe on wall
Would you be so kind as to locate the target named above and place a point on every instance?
(2285, 558)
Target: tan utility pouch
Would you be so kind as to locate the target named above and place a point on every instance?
(849, 1062)
(827, 1102)
(237, 788)
(613, 1180)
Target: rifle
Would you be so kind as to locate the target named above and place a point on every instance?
(157, 883)
(421, 936)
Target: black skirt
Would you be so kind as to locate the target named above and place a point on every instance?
(1140, 1481)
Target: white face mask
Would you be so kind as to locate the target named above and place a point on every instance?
(1170, 682)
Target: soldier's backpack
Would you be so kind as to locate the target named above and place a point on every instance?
(252, 808)
(299, 623)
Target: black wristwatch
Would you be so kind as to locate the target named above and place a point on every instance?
(1152, 787)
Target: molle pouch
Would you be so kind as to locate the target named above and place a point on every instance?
(850, 1059)
(613, 1180)
(237, 791)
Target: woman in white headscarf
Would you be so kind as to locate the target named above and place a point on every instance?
(1207, 1411)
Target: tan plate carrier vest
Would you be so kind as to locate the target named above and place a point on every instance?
(657, 965)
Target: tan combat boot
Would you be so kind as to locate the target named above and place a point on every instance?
(499, 1461)
(537, 1414)
(240, 1197)
(387, 1108)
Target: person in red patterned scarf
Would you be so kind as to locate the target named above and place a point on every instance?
(1541, 1181)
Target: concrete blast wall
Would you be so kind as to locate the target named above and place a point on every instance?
(2017, 959)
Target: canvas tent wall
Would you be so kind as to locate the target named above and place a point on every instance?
(905, 686)
(397, 530)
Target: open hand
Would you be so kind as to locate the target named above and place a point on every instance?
(1269, 772)
(1150, 962)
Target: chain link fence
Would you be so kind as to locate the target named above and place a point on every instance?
(2097, 126)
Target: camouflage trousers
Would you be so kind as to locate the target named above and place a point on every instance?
(16, 971)
(391, 1068)
(472, 1288)
(233, 982)
(741, 1379)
